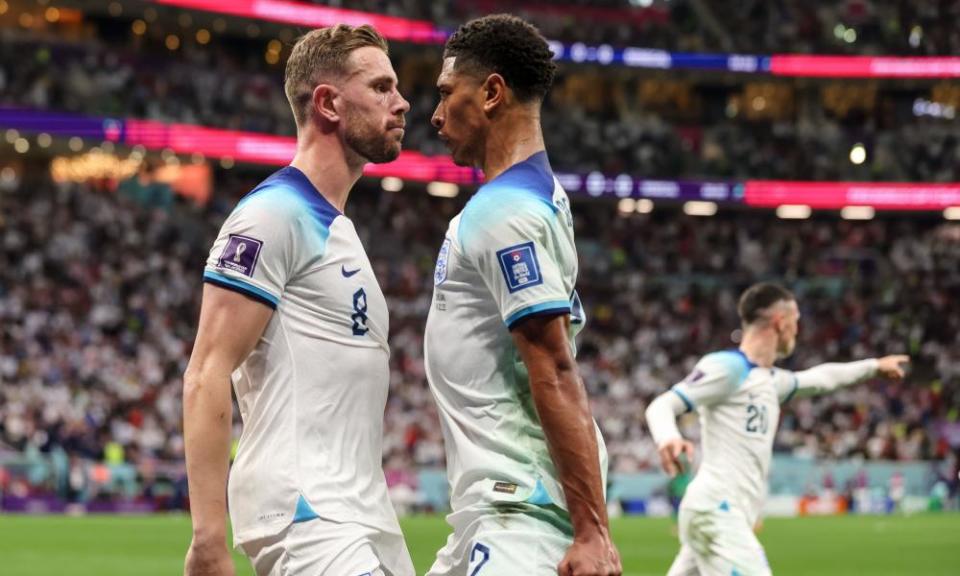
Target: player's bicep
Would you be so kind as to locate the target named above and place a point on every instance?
(555, 386)
(542, 343)
(230, 326)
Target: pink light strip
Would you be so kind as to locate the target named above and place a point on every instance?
(864, 66)
(279, 150)
(836, 195)
(421, 31)
(309, 15)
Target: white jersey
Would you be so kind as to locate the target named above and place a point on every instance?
(507, 256)
(313, 391)
(739, 407)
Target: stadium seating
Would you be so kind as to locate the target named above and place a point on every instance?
(624, 121)
(92, 349)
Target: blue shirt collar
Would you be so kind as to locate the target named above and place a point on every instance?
(745, 359)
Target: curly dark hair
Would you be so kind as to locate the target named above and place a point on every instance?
(508, 46)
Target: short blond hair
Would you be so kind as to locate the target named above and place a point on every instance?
(322, 54)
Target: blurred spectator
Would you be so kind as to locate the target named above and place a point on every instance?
(99, 290)
(622, 120)
(900, 27)
(99, 302)
(145, 190)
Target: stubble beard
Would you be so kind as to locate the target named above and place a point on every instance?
(369, 142)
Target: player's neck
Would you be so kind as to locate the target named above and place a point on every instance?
(324, 162)
(759, 348)
(517, 138)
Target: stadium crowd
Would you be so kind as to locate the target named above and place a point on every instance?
(623, 120)
(99, 295)
(902, 27)
(99, 300)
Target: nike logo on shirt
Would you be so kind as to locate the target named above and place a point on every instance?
(347, 273)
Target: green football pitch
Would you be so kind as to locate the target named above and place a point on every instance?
(924, 545)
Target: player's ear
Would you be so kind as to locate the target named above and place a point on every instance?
(325, 102)
(778, 321)
(494, 91)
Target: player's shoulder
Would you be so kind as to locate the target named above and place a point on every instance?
(732, 365)
(521, 199)
(288, 197)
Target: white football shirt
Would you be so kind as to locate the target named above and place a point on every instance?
(739, 407)
(313, 391)
(507, 256)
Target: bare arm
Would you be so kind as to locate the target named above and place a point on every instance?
(561, 403)
(230, 326)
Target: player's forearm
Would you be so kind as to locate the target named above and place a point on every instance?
(564, 412)
(207, 417)
(662, 417)
(828, 377)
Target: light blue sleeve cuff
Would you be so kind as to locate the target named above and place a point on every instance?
(796, 385)
(244, 288)
(685, 398)
(553, 306)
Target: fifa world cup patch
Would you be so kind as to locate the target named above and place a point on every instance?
(520, 267)
(694, 377)
(240, 254)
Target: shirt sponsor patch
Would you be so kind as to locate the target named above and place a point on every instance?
(440, 272)
(240, 254)
(505, 487)
(520, 267)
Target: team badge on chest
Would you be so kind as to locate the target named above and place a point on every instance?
(440, 272)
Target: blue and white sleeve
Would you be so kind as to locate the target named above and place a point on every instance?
(828, 377)
(511, 250)
(715, 377)
(254, 252)
(787, 385)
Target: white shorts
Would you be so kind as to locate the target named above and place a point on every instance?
(322, 547)
(718, 542)
(504, 544)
